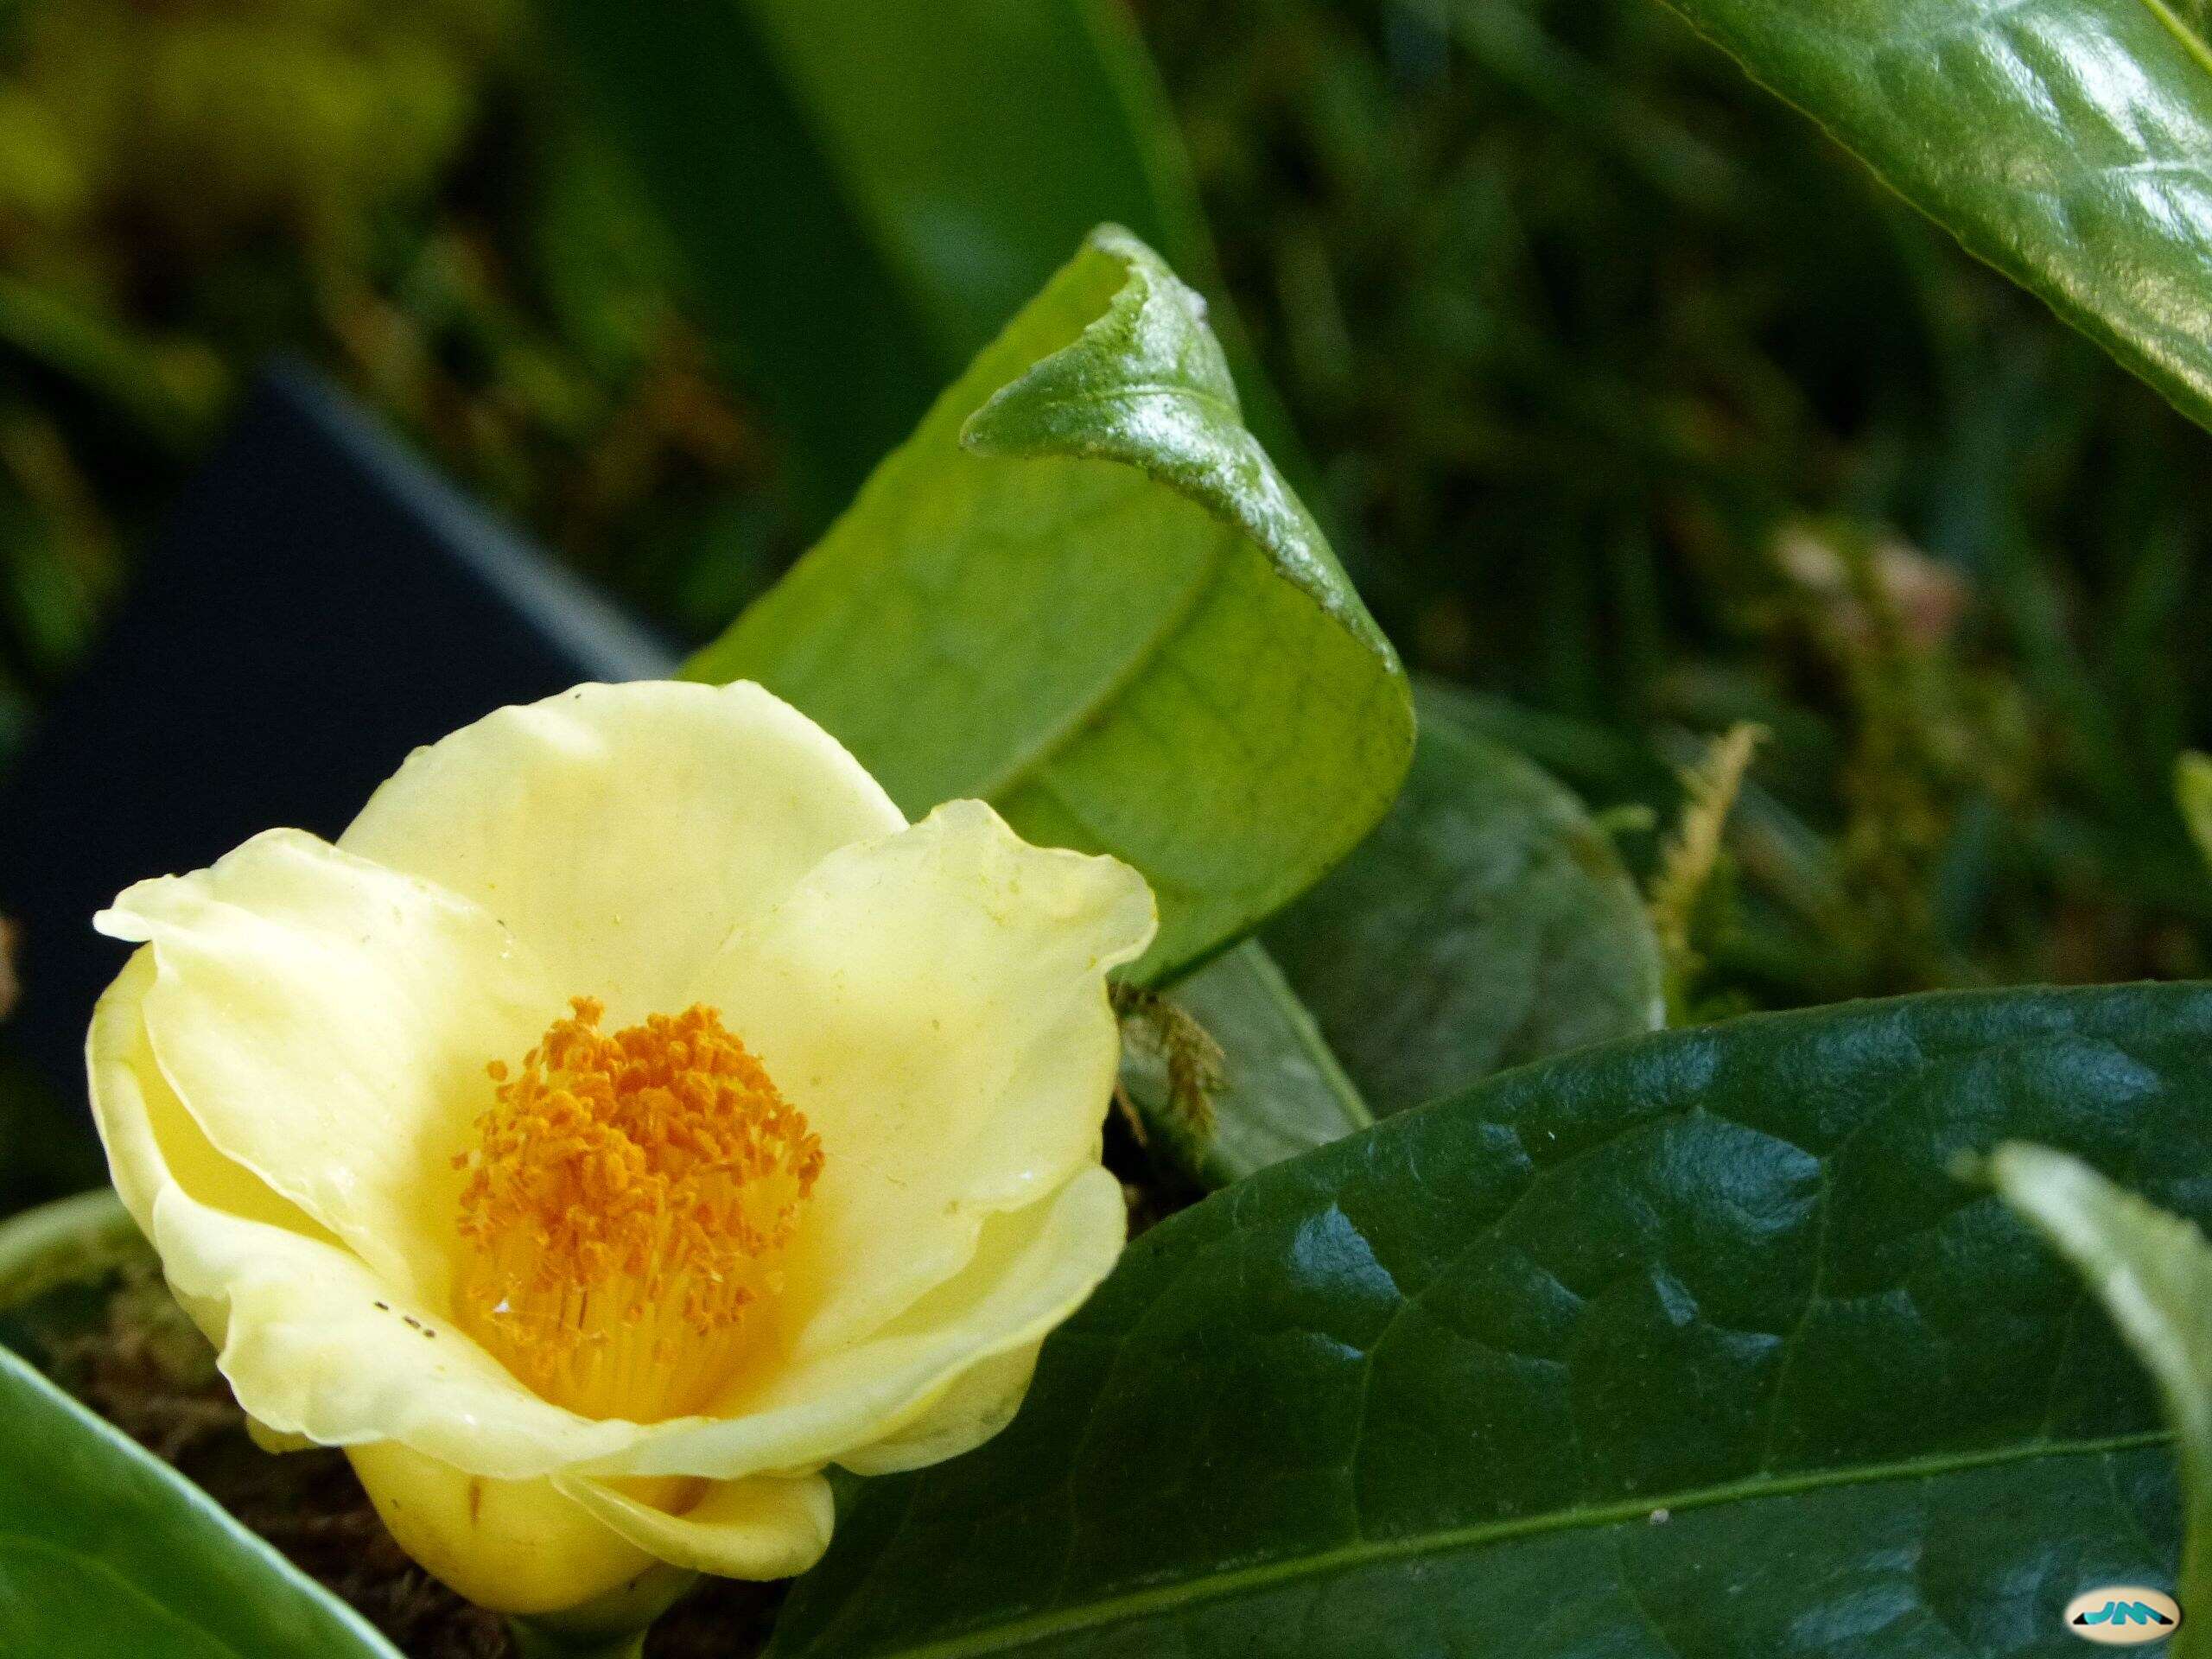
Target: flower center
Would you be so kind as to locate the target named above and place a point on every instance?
(627, 1202)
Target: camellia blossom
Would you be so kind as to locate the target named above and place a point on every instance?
(630, 1116)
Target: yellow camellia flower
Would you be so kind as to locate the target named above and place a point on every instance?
(630, 1116)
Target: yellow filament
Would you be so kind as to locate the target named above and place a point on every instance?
(627, 1203)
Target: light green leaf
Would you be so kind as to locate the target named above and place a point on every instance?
(105, 1550)
(2153, 1271)
(1689, 1347)
(1280, 1090)
(866, 192)
(1082, 592)
(1484, 923)
(2193, 795)
(2069, 142)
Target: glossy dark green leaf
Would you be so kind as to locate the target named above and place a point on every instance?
(1485, 922)
(1279, 1091)
(105, 1551)
(866, 192)
(1689, 1345)
(2069, 142)
(1081, 591)
(2153, 1271)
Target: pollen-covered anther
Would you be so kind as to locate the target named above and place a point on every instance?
(626, 1203)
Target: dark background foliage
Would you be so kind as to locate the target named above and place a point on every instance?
(1636, 406)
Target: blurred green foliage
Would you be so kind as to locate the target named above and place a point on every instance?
(1642, 411)
(1657, 414)
(400, 192)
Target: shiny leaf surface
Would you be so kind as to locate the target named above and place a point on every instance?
(1692, 1345)
(2069, 142)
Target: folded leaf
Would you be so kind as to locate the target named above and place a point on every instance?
(1690, 1346)
(1485, 922)
(105, 1550)
(1082, 591)
(2069, 142)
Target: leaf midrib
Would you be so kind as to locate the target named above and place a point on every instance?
(1218, 1586)
(1134, 391)
(2191, 42)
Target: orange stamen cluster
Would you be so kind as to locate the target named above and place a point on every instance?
(625, 1205)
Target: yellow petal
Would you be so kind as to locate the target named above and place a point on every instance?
(313, 1342)
(975, 1406)
(764, 1528)
(1032, 1269)
(935, 1002)
(513, 1546)
(621, 832)
(270, 1440)
(151, 1141)
(325, 1023)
